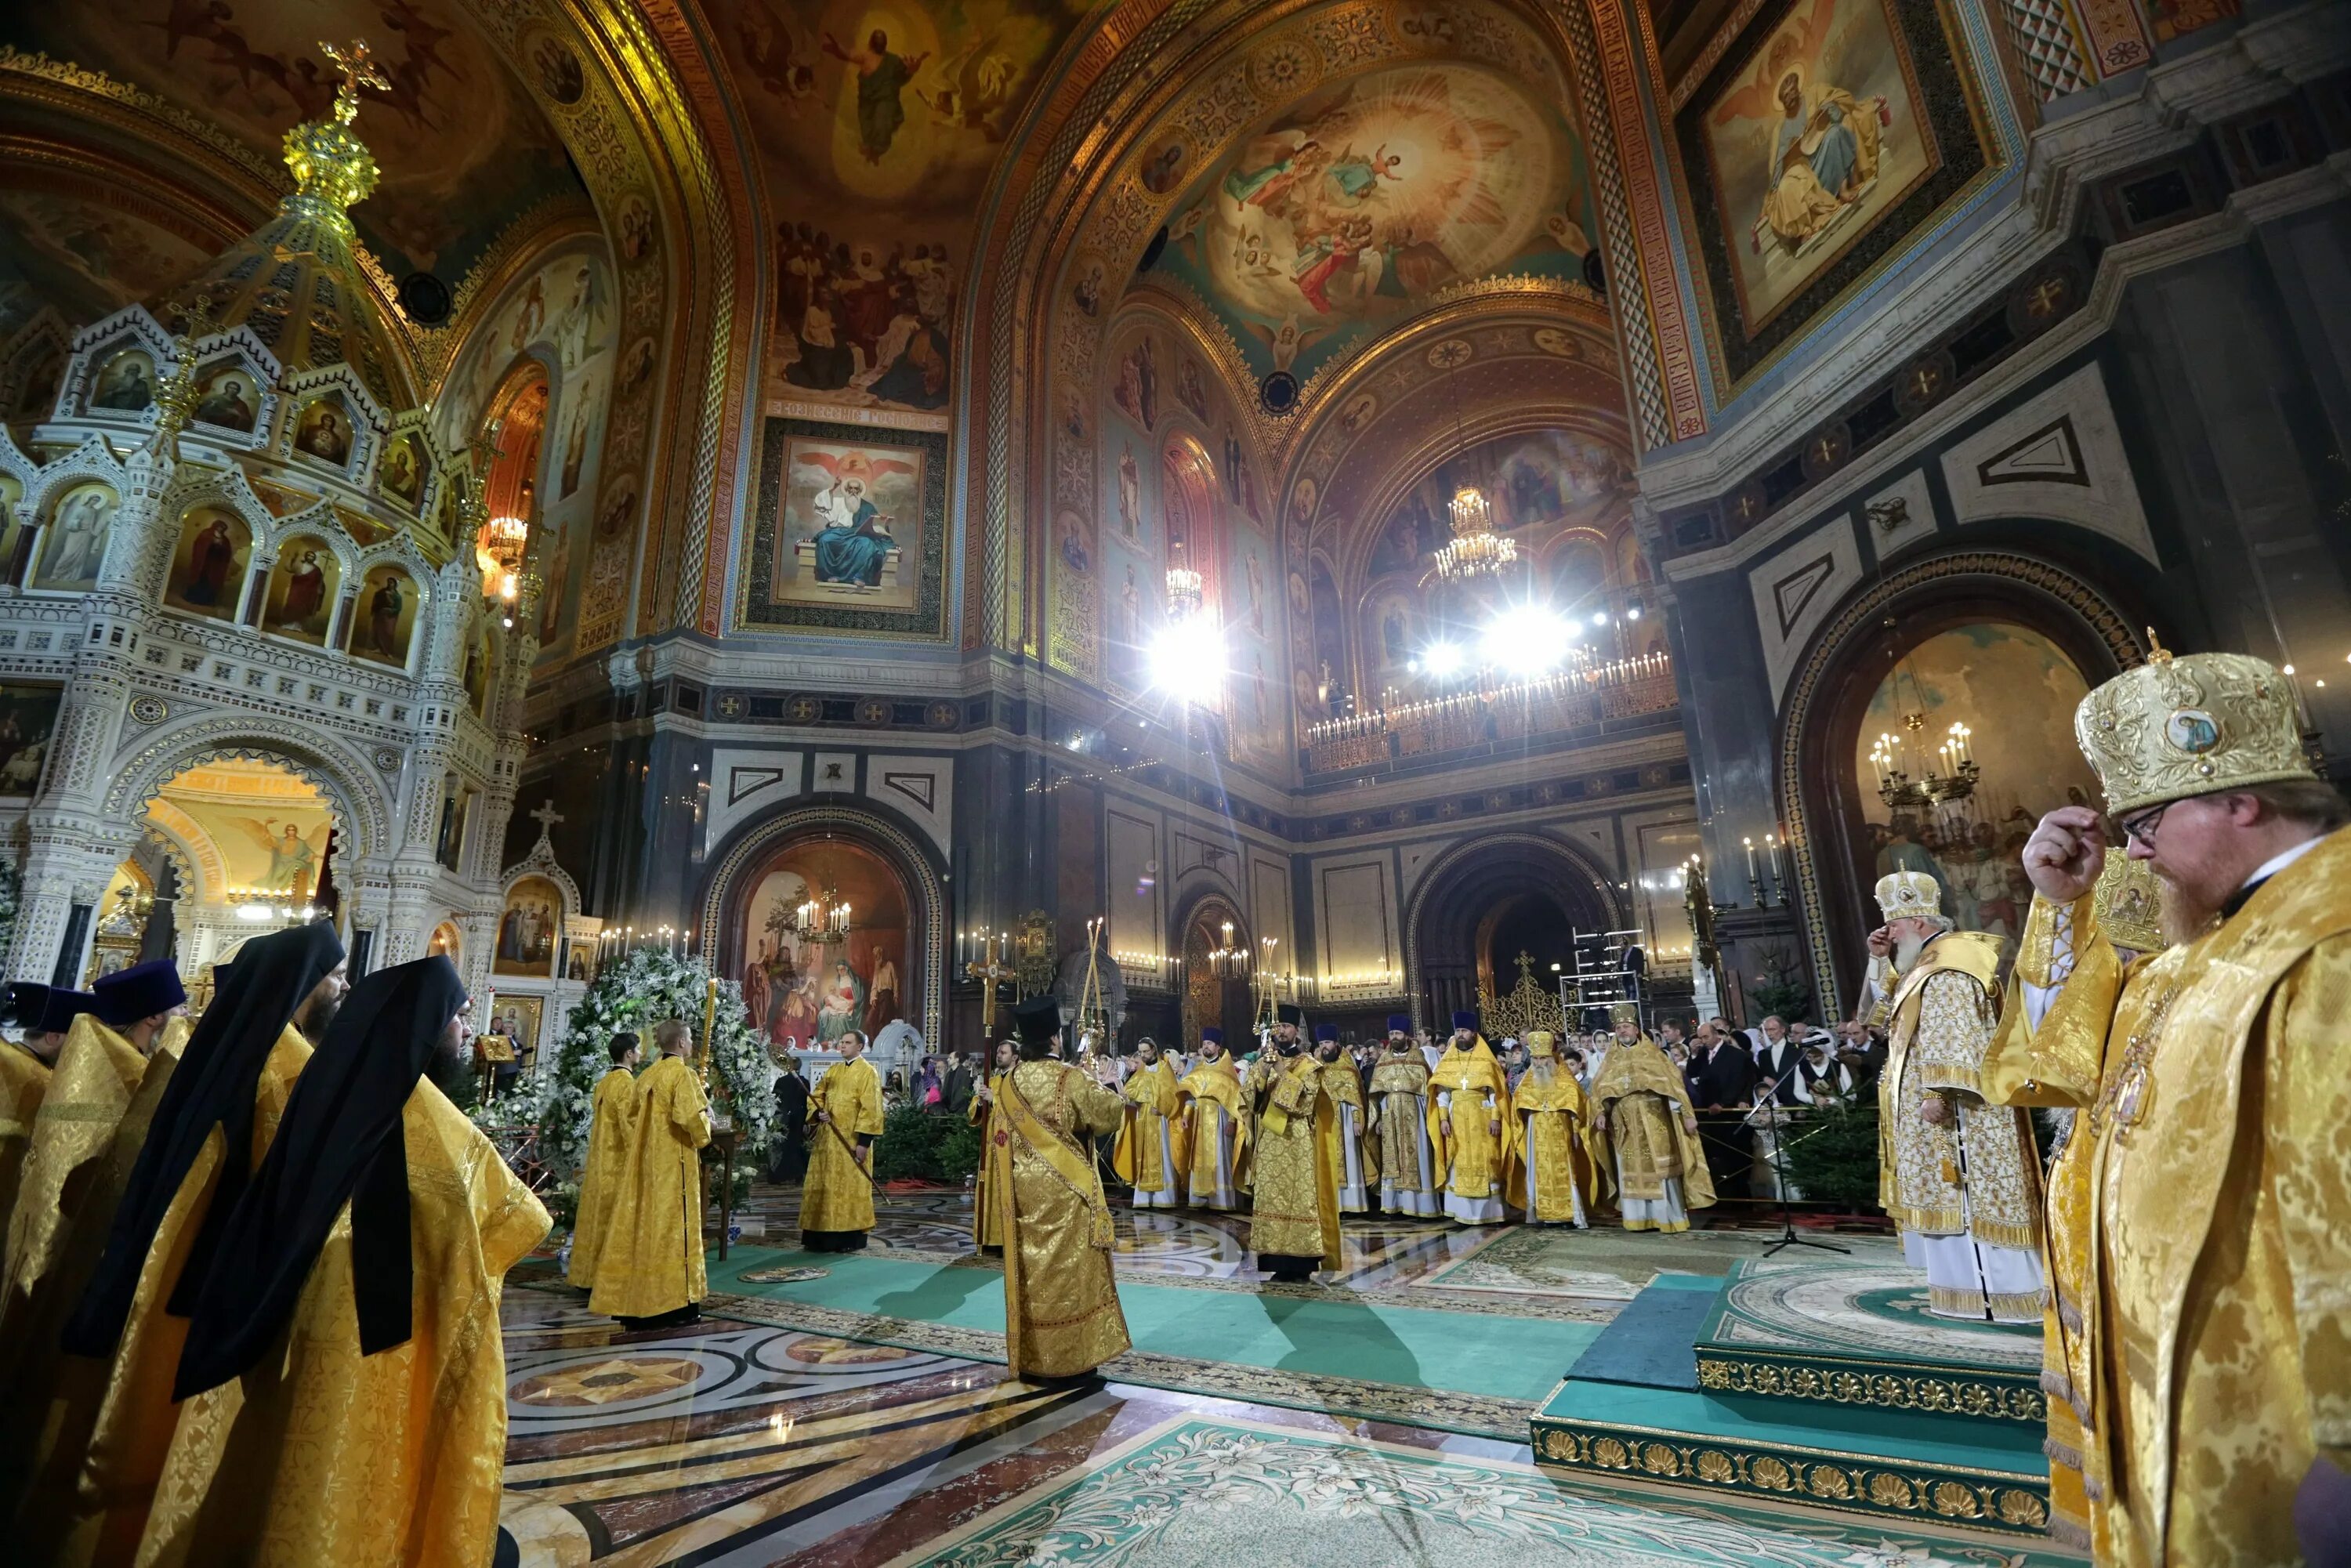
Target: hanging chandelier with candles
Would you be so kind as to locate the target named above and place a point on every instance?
(1183, 585)
(498, 551)
(822, 919)
(1910, 777)
(1475, 549)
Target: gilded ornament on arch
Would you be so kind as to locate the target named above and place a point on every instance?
(1955, 1500)
(1284, 67)
(1661, 1460)
(1771, 1474)
(1714, 1465)
(1829, 1481)
(1890, 1490)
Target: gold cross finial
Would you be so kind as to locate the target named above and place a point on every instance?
(358, 70)
(2157, 653)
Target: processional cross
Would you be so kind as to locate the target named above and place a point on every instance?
(990, 970)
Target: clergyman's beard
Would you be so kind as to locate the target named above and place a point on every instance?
(1906, 951)
(2186, 915)
(318, 1016)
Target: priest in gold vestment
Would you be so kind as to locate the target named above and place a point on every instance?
(611, 1155)
(1407, 1160)
(1468, 1098)
(1061, 1316)
(1294, 1220)
(650, 1268)
(1561, 1160)
(2207, 1268)
(1640, 1101)
(1144, 1154)
(343, 1380)
(1958, 1176)
(210, 1123)
(1214, 1133)
(987, 1229)
(844, 1118)
(24, 1078)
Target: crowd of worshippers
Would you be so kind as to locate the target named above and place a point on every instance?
(250, 1305)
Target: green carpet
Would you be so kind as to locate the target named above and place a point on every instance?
(1506, 1358)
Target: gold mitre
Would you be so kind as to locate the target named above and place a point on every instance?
(2189, 726)
(2129, 903)
(1625, 1012)
(1541, 1042)
(1910, 895)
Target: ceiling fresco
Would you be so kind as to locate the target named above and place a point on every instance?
(87, 258)
(878, 123)
(462, 147)
(1370, 198)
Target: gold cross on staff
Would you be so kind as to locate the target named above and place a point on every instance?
(990, 971)
(358, 70)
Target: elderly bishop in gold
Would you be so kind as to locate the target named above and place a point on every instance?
(1958, 1176)
(2205, 1274)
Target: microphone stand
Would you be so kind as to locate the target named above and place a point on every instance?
(1788, 1237)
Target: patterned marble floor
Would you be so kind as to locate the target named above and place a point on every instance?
(750, 1445)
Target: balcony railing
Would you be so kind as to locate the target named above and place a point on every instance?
(1572, 699)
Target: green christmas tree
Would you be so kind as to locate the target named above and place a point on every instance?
(634, 993)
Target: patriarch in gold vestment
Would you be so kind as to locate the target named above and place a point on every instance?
(1214, 1131)
(650, 1265)
(1144, 1154)
(24, 1071)
(1061, 1315)
(1958, 1176)
(1409, 1174)
(613, 1114)
(1294, 1220)
(1562, 1160)
(986, 1224)
(209, 1125)
(1469, 1097)
(844, 1118)
(343, 1381)
(1640, 1101)
(2201, 1252)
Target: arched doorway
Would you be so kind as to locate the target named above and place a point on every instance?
(1216, 989)
(802, 984)
(231, 847)
(1483, 904)
(2004, 644)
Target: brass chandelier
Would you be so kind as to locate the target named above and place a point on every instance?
(1475, 549)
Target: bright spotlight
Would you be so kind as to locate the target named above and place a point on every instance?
(1633, 613)
(1186, 660)
(1524, 640)
(1599, 621)
(1442, 660)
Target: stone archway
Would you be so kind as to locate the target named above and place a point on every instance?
(1820, 798)
(1208, 996)
(1464, 900)
(919, 960)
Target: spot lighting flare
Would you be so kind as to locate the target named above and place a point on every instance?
(1442, 660)
(1524, 640)
(1186, 660)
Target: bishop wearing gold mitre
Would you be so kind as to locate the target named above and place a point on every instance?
(844, 1118)
(1469, 1097)
(613, 1113)
(1958, 1176)
(2207, 1270)
(1561, 1160)
(24, 1070)
(211, 1123)
(1061, 1316)
(343, 1379)
(1407, 1160)
(1641, 1102)
(93, 1118)
(649, 1269)
(987, 1226)
(1144, 1154)
(1214, 1134)
(1294, 1223)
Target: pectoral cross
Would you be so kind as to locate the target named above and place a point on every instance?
(990, 970)
(358, 70)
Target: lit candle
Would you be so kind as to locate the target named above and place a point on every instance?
(1750, 861)
(1772, 843)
